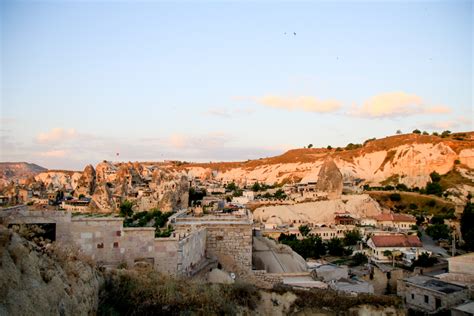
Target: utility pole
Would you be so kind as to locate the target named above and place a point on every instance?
(453, 243)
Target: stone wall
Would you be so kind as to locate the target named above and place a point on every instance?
(166, 255)
(268, 279)
(106, 241)
(100, 238)
(231, 240)
(191, 251)
(462, 264)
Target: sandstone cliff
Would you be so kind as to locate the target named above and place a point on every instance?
(408, 158)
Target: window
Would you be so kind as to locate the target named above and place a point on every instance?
(119, 233)
(438, 303)
(100, 246)
(427, 299)
(116, 244)
(412, 296)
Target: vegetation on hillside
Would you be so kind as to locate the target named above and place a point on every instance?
(153, 218)
(413, 203)
(151, 293)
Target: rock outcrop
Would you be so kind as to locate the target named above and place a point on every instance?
(330, 180)
(40, 281)
(86, 183)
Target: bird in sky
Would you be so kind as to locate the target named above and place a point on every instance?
(294, 33)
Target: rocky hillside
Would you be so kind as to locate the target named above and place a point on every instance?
(109, 184)
(409, 159)
(44, 280)
(406, 159)
(11, 171)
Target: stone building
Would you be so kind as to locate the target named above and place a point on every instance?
(107, 242)
(229, 236)
(430, 295)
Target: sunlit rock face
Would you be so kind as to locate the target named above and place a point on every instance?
(330, 180)
(86, 183)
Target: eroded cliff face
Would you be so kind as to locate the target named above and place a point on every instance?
(407, 158)
(40, 281)
(330, 180)
(147, 185)
(86, 182)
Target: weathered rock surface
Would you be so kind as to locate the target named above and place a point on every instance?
(35, 281)
(410, 158)
(330, 180)
(86, 183)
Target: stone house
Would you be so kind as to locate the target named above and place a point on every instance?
(395, 243)
(398, 221)
(460, 270)
(328, 232)
(430, 295)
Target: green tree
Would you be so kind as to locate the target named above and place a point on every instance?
(310, 146)
(231, 186)
(416, 131)
(358, 259)
(126, 209)
(335, 247)
(425, 260)
(434, 188)
(238, 192)
(304, 230)
(329, 147)
(256, 187)
(437, 219)
(395, 197)
(352, 237)
(467, 228)
(445, 133)
(280, 194)
(435, 177)
(438, 231)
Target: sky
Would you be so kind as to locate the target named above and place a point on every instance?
(86, 81)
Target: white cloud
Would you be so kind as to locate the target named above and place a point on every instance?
(301, 103)
(56, 135)
(396, 104)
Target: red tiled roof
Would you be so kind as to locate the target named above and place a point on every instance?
(396, 241)
(395, 218)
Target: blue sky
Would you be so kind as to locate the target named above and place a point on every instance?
(84, 80)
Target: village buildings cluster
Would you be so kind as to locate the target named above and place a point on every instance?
(214, 226)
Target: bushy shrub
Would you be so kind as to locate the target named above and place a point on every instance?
(395, 197)
(150, 293)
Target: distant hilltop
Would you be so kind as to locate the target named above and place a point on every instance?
(407, 159)
(17, 170)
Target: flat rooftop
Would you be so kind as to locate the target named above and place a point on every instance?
(434, 284)
(466, 308)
